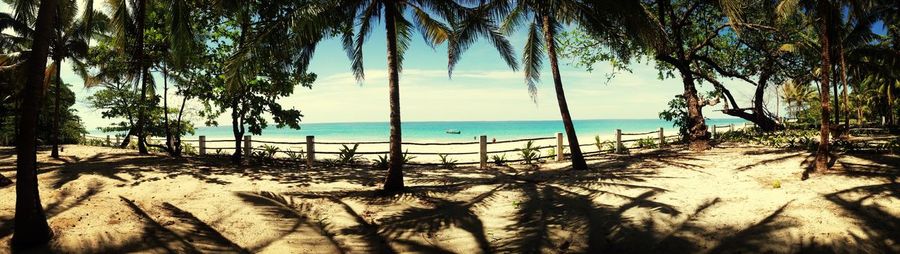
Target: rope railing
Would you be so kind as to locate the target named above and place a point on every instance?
(521, 140)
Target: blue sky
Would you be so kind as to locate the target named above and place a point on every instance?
(482, 88)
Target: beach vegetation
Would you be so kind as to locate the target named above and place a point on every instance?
(447, 162)
(295, 155)
(347, 155)
(499, 159)
(530, 153)
(381, 162)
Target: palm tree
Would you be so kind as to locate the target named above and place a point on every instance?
(545, 19)
(424, 15)
(31, 226)
(129, 37)
(796, 93)
(70, 42)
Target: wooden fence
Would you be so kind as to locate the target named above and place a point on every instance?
(311, 148)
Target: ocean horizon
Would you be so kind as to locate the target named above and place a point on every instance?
(468, 130)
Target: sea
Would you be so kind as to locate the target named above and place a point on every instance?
(446, 131)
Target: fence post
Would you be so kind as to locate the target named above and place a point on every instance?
(117, 140)
(248, 146)
(83, 139)
(202, 145)
(107, 141)
(713, 132)
(482, 151)
(310, 151)
(662, 138)
(560, 151)
(731, 127)
(618, 141)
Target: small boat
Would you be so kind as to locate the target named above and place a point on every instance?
(453, 131)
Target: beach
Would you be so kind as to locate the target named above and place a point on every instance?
(735, 197)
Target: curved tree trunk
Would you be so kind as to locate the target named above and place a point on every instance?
(394, 179)
(56, 124)
(578, 162)
(697, 132)
(31, 228)
(846, 93)
(169, 146)
(236, 128)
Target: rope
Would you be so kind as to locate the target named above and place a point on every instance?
(521, 140)
(639, 133)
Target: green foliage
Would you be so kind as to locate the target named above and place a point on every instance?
(381, 163)
(71, 126)
(266, 154)
(499, 159)
(295, 156)
(551, 152)
(347, 155)
(647, 143)
(188, 149)
(529, 153)
(446, 162)
(776, 184)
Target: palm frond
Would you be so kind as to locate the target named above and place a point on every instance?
(533, 59)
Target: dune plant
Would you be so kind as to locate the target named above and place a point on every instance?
(647, 143)
(295, 156)
(530, 154)
(499, 160)
(381, 163)
(347, 155)
(446, 162)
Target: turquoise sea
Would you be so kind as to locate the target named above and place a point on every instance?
(437, 131)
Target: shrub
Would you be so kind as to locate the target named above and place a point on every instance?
(530, 154)
(499, 160)
(295, 156)
(381, 163)
(347, 155)
(446, 162)
(647, 143)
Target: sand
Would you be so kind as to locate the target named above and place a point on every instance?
(733, 198)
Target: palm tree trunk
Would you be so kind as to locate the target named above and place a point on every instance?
(837, 104)
(822, 154)
(394, 179)
(169, 145)
(55, 132)
(31, 228)
(236, 130)
(846, 94)
(578, 162)
(139, 58)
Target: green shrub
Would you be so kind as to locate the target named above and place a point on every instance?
(499, 160)
(446, 162)
(295, 156)
(647, 143)
(381, 162)
(347, 155)
(530, 154)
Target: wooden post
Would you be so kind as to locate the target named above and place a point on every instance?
(714, 131)
(107, 141)
(618, 140)
(482, 151)
(310, 151)
(202, 145)
(731, 127)
(560, 149)
(662, 138)
(117, 140)
(83, 139)
(248, 147)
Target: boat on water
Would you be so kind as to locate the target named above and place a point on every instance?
(453, 131)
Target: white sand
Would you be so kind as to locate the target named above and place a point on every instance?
(665, 201)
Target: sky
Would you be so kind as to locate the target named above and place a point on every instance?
(482, 88)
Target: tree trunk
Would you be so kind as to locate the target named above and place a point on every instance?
(394, 179)
(169, 146)
(846, 93)
(697, 132)
(837, 104)
(55, 132)
(31, 228)
(578, 162)
(822, 154)
(178, 126)
(142, 65)
(238, 134)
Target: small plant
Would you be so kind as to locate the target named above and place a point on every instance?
(499, 160)
(296, 156)
(776, 184)
(265, 154)
(219, 151)
(381, 163)
(347, 155)
(446, 162)
(647, 143)
(188, 149)
(551, 152)
(529, 153)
